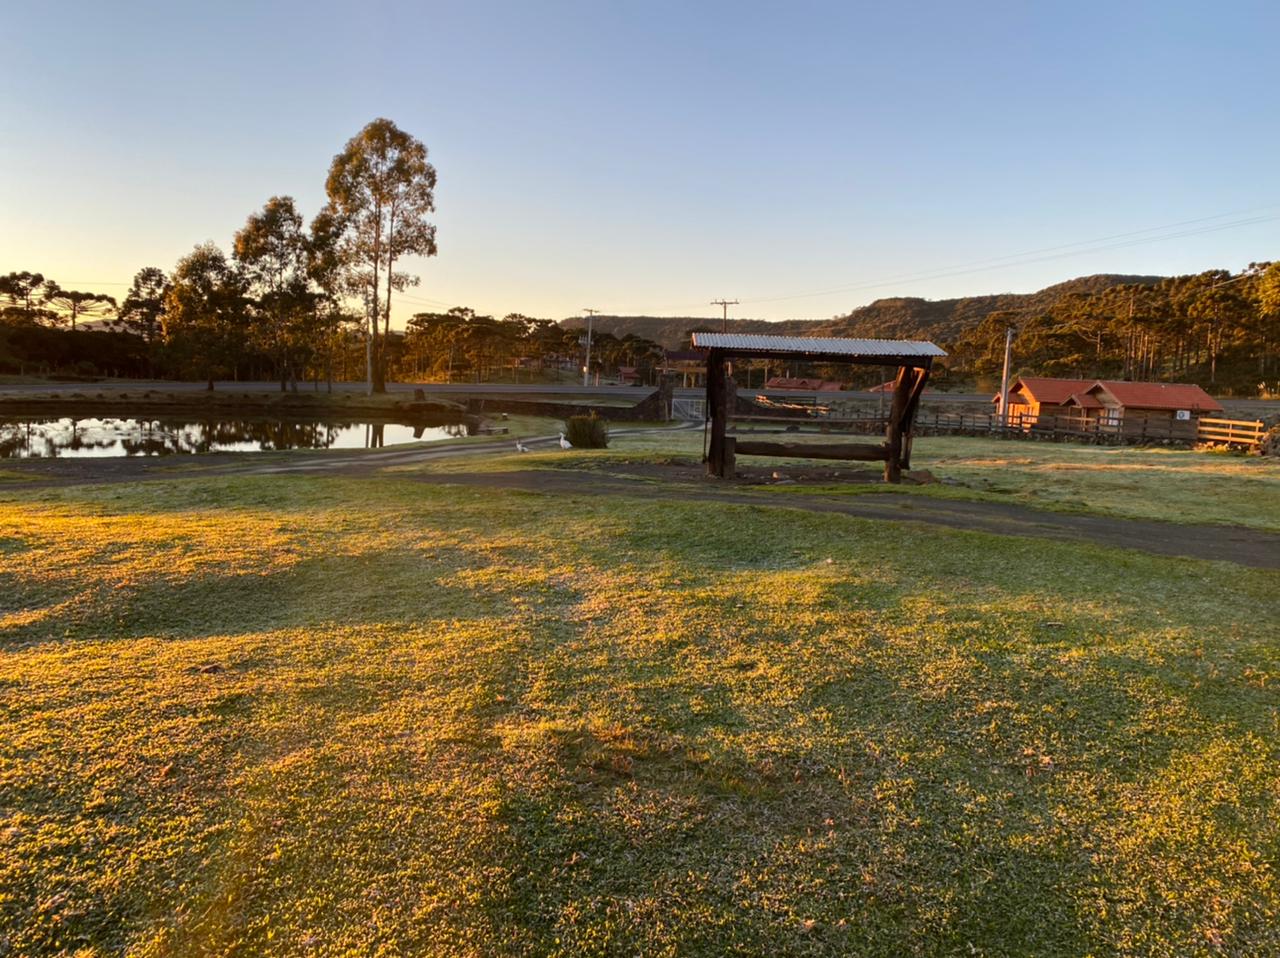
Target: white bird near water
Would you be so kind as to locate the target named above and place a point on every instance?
(521, 447)
(565, 443)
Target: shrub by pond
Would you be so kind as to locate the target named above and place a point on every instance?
(587, 432)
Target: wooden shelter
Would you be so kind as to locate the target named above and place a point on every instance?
(913, 361)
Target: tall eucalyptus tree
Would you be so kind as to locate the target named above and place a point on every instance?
(381, 188)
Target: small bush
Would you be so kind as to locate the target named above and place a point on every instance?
(587, 432)
(1271, 442)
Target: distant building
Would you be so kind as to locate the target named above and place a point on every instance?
(1108, 400)
(800, 383)
(1116, 401)
(689, 364)
(1040, 396)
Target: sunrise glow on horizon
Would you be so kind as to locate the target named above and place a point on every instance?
(616, 157)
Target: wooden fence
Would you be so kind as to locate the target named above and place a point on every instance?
(1231, 432)
(1133, 429)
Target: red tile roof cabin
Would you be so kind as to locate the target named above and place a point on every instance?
(1037, 395)
(1038, 391)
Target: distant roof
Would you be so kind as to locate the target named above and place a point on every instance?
(1159, 395)
(1085, 400)
(758, 342)
(1053, 392)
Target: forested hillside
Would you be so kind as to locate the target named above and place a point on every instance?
(893, 318)
(1215, 328)
(947, 320)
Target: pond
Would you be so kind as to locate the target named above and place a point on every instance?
(33, 437)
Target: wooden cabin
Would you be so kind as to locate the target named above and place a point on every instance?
(1117, 402)
(1042, 396)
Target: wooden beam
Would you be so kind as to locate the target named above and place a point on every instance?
(846, 451)
(827, 358)
(909, 414)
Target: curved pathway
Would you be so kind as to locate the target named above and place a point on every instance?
(1247, 547)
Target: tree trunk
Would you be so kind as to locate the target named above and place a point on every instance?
(380, 367)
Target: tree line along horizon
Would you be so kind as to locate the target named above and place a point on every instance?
(280, 306)
(295, 302)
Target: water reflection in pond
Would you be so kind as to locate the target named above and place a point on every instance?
(47, 438)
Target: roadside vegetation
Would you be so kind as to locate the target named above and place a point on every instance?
(279, 715)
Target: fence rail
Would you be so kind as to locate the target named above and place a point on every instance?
(1234, 432)
(1129, 430)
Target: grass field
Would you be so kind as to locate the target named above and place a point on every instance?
(1176, 485)
(324, 716)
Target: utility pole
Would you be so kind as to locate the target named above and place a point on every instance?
(724, 304)
(586, 367)
(1004, 377)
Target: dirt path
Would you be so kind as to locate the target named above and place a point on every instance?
(90, 470)
(1247, 547)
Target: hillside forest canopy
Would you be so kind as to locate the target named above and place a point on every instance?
(1216, 328)
(294, 301)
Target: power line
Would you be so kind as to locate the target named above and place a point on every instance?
(1071, 246)
(1032, 256)
(1022, 259)
(1027, 259)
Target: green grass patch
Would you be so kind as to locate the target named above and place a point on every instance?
(326, 716)
(1172, 485)
(1178, 485)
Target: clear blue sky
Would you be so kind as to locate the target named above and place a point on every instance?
(652, 156)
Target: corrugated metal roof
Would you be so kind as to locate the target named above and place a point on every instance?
(806, 344)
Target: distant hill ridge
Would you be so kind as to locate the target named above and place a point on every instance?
(897, 317)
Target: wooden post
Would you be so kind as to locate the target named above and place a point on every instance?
(713, 392)
(847, 452)
(893, 434)
(717, 396)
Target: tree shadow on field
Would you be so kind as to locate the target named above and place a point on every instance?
(388, 588)
(649, 847)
